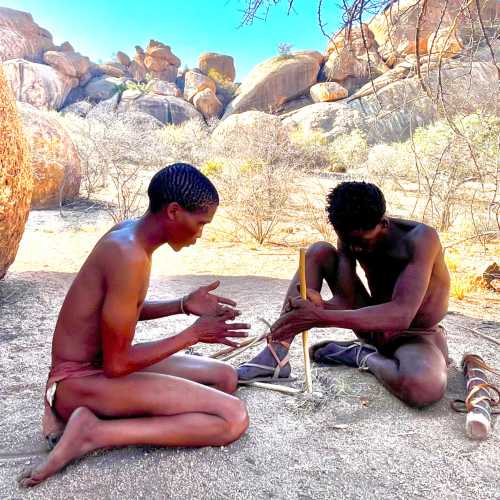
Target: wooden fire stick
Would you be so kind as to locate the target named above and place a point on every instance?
(305, 335)
(481, 396)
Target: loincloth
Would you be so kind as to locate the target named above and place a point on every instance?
(390, 341)
(52, 424)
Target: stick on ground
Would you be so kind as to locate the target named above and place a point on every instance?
(305, 335)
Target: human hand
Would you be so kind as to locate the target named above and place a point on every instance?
(312, 295)
(299, 315)
(201, 302)
(216, 330)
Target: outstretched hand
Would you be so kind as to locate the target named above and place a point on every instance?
(216, 329)
(201, 302)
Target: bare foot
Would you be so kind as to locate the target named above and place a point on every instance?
(75, 442)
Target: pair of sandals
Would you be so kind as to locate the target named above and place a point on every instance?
(338, 357)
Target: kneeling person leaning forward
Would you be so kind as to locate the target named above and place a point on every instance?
(102, 390)
(396, 322)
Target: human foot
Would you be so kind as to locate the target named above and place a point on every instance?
(270, 364)
(75, 442)
(350, 353)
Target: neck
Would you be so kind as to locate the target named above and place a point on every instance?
(150, 232)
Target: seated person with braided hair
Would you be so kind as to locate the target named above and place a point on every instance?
(103, 390)
(396, 320)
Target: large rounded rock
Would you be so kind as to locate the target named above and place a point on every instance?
(102, 88)
(350, 70)
(394, 28)
(136, 120)
(21, 37)
(328, 91)
(55, 160)
(162, 88)
(213, 64)
(207, 103)
(80, 108)
(115, 70)
(69, 63)
(254, 126)
(445, 43)
(391, 115)
(195, 82)
(160, 51)
(166, 109)
(16, 178)
(357, 38)
(159, 61)
(123, 58)
(137, 71)
(275, 81)
(327, 119)
(38, 84)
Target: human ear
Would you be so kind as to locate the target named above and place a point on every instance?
(172, 210)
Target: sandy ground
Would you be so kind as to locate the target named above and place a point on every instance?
(357, 442)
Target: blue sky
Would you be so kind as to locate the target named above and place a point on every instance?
(99, 28)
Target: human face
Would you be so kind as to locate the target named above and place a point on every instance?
(363, 243)
(189, 226)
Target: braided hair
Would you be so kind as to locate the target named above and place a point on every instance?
(184, 184)
(353, 206)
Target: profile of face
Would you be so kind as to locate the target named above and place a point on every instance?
(186, 227)
(364, 242)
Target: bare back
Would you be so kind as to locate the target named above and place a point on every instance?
(77, 333)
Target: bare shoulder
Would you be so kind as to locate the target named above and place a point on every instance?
(422, 237)
(118, 250)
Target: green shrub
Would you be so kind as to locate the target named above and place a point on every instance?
(212, 168)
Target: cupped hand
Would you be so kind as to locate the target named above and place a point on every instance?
(217, 330)
(201, 302)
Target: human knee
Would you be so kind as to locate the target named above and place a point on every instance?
(236, 421)
(419, 392)
(321, 252)
(226, 379)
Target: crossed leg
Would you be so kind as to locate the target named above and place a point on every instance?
(323, 263)
(141, 408)
(415, 371)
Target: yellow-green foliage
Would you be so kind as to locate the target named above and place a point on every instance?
(310, 139)
(251, 167)
(212, 168)
(349, 150)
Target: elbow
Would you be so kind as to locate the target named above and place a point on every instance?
(114, 370)
(403, 320)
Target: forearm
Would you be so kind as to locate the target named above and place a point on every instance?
(159, 309)
(140, 356)
(378, 318)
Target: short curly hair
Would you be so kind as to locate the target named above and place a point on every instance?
(184, 184)
(354, 206)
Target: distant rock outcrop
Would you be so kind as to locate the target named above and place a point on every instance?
(21, 37)
(38, 84)
(221, 64)
(275, 81)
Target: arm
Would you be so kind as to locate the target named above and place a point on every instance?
(407, 297)
(154, 309)
(200, 302)
(125, 276)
